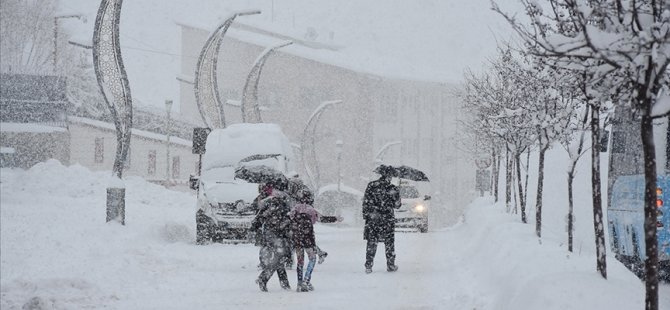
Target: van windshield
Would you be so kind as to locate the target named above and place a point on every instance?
(409, 192)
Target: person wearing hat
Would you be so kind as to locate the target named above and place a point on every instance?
(380, 200)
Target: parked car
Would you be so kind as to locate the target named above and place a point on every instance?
(345, 202)
(414, 209)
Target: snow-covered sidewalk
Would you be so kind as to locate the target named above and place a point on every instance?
(57, 251)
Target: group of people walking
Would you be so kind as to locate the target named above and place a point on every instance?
(285, 224)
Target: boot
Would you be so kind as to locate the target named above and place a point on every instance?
(392, 268)
(302, 287)
(285, 285)
(322, 257)
(262, 285)
(368, 270)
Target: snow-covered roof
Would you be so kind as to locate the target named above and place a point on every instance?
(30, 127)
(229, 145)
(137, 132)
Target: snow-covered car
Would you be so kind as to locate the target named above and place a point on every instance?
(225, 208)
(345, 202)
(414, 209)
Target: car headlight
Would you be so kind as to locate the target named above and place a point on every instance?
(419, 208)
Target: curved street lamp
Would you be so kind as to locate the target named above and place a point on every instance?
(309, 136)
(113, 83)
(207, 95)
(379, 157)
(250, 110)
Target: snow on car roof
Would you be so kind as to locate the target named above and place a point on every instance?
(227, 146)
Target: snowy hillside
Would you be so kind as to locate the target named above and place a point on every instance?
(58, 253)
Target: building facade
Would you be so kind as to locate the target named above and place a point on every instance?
(376, 110)
(36, 125)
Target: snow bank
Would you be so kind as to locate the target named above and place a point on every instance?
(523, 272)
(56, 249)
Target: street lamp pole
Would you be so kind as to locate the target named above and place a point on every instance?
(55, 51)
(308, 137)
(338, 146)
(379, 157)
(168, 109)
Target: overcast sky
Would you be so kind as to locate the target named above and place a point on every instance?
(429, 39)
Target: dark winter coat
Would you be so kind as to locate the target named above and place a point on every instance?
(380, 200)
(272, 223)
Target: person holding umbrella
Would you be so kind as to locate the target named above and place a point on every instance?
(380, 199)
(274, 226)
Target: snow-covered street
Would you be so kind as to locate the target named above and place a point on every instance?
(58, 252)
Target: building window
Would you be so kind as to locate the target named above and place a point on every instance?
(151, 166)
(99, 150)
(175, 167)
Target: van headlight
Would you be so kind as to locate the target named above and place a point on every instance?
(420, 208)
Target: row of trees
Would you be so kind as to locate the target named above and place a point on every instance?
(577, 59)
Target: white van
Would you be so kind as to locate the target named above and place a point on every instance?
(225, 206)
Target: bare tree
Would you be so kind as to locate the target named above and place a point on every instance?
(626, 38)
(26, 30)
(502, 109)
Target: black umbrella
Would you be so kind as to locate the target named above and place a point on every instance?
(261, 174)
(402, 172)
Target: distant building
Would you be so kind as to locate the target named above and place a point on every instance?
(33, 119)
(35, 126)
(376, 109)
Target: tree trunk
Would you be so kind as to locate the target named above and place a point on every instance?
(598, 225)
(522, 200)
(571, 223)
(508, 182)
(650, 238)
(540, 184)
(571, 178)
(525, 184)
(496, 176)
(493, 170)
